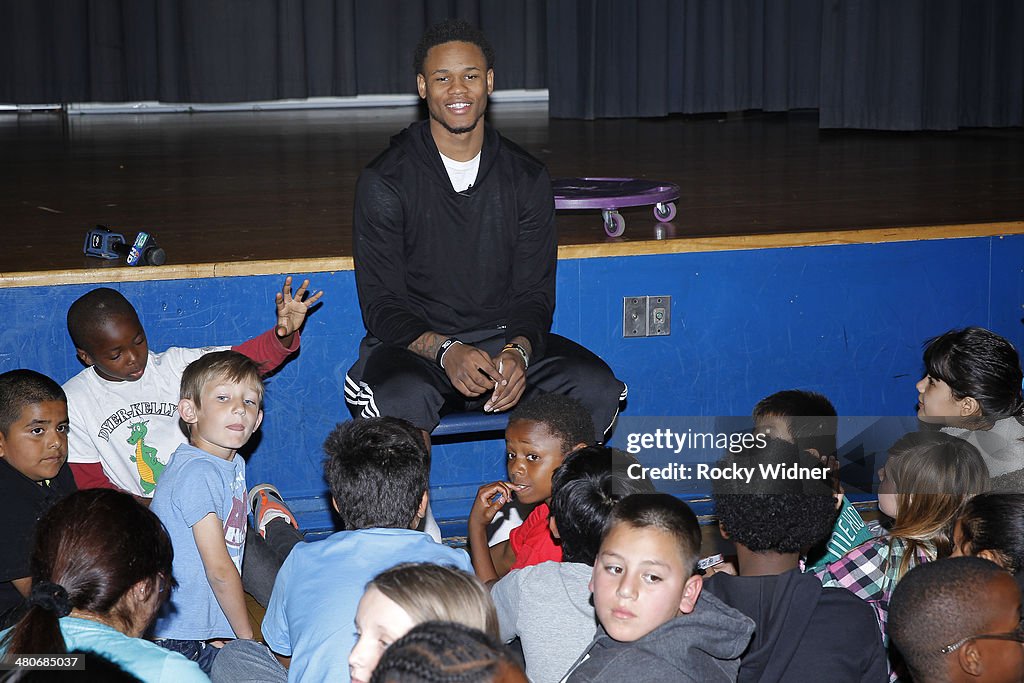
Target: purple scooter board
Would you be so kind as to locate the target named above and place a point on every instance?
(612, 194)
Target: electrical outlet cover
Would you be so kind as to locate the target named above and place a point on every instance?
(634, 316)
(659, 316)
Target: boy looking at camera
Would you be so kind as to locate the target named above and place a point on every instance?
(201, 500)
(33, 474)
(123, 405)
(655, 624)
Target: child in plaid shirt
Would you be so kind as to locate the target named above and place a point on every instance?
(923, 485)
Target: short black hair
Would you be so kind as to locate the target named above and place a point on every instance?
(377, 470)
(584, 490)
(443, 652)
(810, 416)
(772, 515)
(564, 416)
(994, 521)
(449, 31)
(21, 388)
(664, 512)
(92, 310)
(936, 604)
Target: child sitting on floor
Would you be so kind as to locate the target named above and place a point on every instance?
(656, 624)
(809, 420)
(442, 652)
(201, 501)
(541, 432)
(413, 593)
(958, 620)
(123, 406)
(377, 470)
(972, 388)
(33, 474)
(924, 484)
(548, 605)
(802, 628)
(991, 525)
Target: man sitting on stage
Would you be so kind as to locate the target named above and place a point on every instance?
(455, 250)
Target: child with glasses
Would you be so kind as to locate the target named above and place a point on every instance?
(958, 620)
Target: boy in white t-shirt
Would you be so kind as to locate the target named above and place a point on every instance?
(124, 407)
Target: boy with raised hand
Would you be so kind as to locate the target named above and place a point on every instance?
(123, 406)
(201, 500)
(33, 474)
(803, 631)
(656, 624)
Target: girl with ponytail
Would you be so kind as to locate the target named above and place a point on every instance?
(101, 566)
(972, 390)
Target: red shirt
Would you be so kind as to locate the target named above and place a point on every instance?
(532, 541)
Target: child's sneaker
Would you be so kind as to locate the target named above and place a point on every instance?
(267, 504)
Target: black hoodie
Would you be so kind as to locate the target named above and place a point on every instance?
(430, 258)
(804, 632)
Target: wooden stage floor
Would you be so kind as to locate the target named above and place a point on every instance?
(241, 187)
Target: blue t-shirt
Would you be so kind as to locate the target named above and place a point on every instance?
(195, 484)
(144, 660)
(311, 615)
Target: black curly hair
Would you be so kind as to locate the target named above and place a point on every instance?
(773, 515)
(92, 310)
(448, 31)
(564, 416)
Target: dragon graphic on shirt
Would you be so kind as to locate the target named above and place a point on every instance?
(144, 458)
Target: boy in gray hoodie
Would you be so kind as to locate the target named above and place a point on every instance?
(548, 605)
(655, 624)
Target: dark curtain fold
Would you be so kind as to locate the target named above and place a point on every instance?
(243, 50)
(655, 57)
(881, 64)
(922, 64)
(890, 65)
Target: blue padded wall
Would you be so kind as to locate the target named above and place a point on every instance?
(845, 320)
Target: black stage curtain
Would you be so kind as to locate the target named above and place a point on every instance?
(243, 50)
(881, 64)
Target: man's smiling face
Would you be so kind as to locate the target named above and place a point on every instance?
(455, 84)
